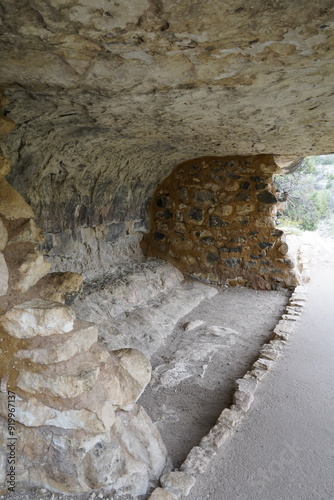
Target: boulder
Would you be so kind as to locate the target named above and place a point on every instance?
(38, 317)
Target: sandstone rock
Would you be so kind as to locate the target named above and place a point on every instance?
(31, 271)
(12, 205)
(126, 374)
(4, 166)
(217, 436)
(57, 348)
(33, 413)
(198, 460)
(161, 494)
(29, 232)
(59, 382)
(178, 483)
(60, 287)
(38, 317)
(231, 417)
(244, 395)
(3, 275)
(3, 235)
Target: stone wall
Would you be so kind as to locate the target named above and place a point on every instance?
(214, 219)
(68, 414)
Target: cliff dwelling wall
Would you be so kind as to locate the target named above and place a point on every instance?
(214, 219)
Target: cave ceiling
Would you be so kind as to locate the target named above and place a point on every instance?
(108, 97)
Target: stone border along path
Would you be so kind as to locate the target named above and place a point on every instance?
(177, 484)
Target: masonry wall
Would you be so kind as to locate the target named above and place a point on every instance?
(214, 219)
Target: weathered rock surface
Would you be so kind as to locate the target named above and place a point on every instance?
(3, 275)
(12, 205)
(38, 317)
(31, 271)
(3, 235)
(56, 348)
(107, 100)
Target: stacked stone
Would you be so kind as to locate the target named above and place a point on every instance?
(214, 219)
(73, 421)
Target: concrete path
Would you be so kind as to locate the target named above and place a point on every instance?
(284, 450)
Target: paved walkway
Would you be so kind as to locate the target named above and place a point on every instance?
(284, 450)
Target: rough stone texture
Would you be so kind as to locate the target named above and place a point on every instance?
(38, 317)
(3, 275)
(29, 232)
(179, 483)
(213, 219)
(60, 287)
(31, 271)
(56, 348)
(161, 494)
(108, 99)
(12, 205)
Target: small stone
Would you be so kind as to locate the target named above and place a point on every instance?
(12, 205)
(38, 317)
(197, 460)
(161, 494)
(263, 363)
(178, 483)
(266, 197)
(217, 222)
(196, 214)
(283, 249)
(3, 275)
(217, 436)
(32, 270)
(245, 208)
(231, 417)
(234, 186)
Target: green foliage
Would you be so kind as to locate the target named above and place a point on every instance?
(310, 197)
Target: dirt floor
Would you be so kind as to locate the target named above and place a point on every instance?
(194, 373)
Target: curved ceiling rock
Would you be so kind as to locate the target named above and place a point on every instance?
(108, 97)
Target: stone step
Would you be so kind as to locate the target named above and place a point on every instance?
(57, 348)
(38, 317)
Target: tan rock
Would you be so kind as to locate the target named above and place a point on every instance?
(12, 205)
(31, 271)
(197, 460)
(4, 166)
(57, 348)
(245, 208)
(283, 249)
(3, 235)
(29, 232)
(178, 483)
(79, 377)
(161, 494)
(60, 287)
(3, 275)
(38, 317)
(126, 374)
(6, 126)
(33, 413)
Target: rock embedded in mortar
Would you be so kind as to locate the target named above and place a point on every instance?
(29, 232)
(3, 235)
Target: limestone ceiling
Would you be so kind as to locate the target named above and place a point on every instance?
(119, 92)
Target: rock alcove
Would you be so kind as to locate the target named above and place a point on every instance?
(139, 126)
